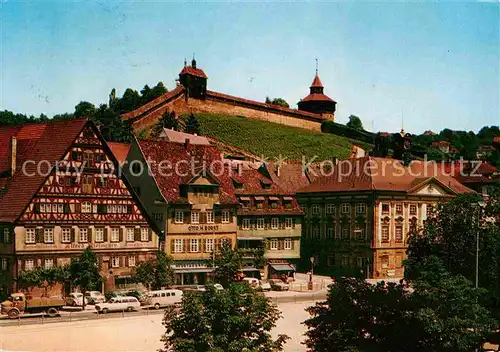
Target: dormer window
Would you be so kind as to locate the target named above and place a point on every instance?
(259, 202)
(287, 202)
(265, 184)
(273, 202)
(245, 202)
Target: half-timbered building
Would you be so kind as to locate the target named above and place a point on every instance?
(61, 190)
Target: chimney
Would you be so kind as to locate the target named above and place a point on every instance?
(13, 155)
(187, 144)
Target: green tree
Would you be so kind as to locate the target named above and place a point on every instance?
(192, 125)
(277, 101)
(450, 237)
(227, 263)
(84, 110)
(355, 122)
(156, 272)
(41, 277)
(236, 319)
(113, 128)
(358, 316)
(84, 272)
(168, 120)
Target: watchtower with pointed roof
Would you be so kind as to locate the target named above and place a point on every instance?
(317, 102)
(194, 80)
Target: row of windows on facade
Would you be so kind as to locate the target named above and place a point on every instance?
(83, 207)
(262, 224)
(48, 263)
(88, 156)
(331, 209)
(261, 203)
(413, 209)
(196, 245)
(68, 235)
(345, 261)
(198, 217)
(345, 233)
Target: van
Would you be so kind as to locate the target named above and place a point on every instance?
(163, 298)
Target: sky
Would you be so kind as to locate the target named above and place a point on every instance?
(418, 65)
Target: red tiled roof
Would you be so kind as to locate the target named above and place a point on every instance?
(189, 70)
(153, 104)
(119, 150)
(496, 139)
(256, 104)
(316, 82)
(38, 142)
(180, 137)
(317, 97)
(186, 163)
(253, 180)
(381, 174)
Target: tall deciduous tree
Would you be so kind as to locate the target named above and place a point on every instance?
(355, 122)
(84, 272)
(450, 236)
(113, 128)
(277, 101)
(357, 316)
(156, 272)
(237, 319)
(84, 110)
(192, 125)
(227, 263)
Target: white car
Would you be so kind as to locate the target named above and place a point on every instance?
(118, 304)
(94, 297)
(278, 285)
(253, 282)
(75, 299)
(264, 286)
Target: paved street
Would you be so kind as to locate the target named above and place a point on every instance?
(138, 331)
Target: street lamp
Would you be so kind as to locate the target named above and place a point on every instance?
(481, 205)
(312, 273)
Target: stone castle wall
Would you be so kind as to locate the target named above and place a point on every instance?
(181, 106)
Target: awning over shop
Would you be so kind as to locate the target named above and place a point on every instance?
(192, 270)
(249, 268)
(250, 238)
(283, 267)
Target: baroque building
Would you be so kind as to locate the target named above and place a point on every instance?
(192, 96)
(189, 194)
(360, 213)
(61, 190)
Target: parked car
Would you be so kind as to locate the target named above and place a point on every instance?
(163, 298)
(74, 299)
(218, 287)
(253, 282)
(278, 285)
(94, 297)
(264, 286)
(118, 304)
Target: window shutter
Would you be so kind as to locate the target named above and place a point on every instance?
(129, 209)
(268, 244)
(150, 235)
(293, 244)
(203, 217)
(231, 216)
(293, 222)
(187, 217)
(73, 234)
(217, 244)
(2, 238)
(90, 234)
(202, 245)
(65, 208)
(266, 223)
(217, 215)
(12, 234)
(186, 244)
(172, 246)
(36, 208)
(121, 234)
(78, 208)
(39, 235)
(137, 234)
(106, 230)
(281, 244)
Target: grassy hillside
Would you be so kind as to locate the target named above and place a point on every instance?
(271, 139)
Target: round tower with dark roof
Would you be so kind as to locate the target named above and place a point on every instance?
(317, 102)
